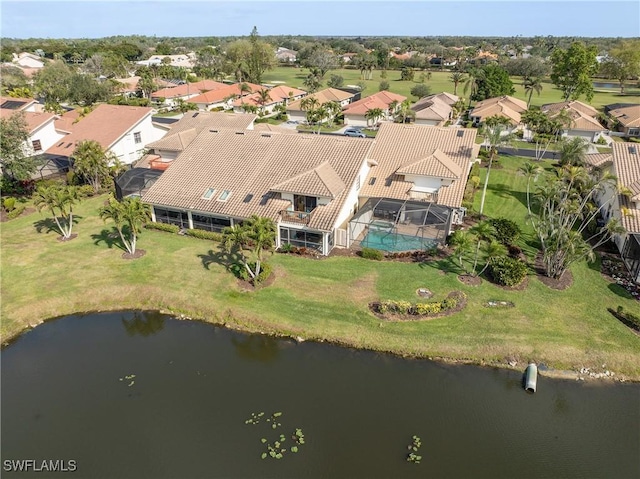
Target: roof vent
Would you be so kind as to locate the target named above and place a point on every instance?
(248, 198)
(460, 133)
(266, 135)
(239, 132)
(213, 131)
(372, 181)
(633, 150)
(195, 114)
(388, 182)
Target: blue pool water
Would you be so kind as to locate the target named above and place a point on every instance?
(389, 241)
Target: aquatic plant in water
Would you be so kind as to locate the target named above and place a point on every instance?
(129, 378)
(255, 418)
(413, 448)
(276, 449)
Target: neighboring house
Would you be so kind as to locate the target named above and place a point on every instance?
(279, 95)
(307, 184)
(627, 119)
(296, 113)
(505, 107)
(121, 130)
(416, 183)
(28, 60)
(434, 110)
(163, 151)
(583, 119)
(348, 57)
(169, 97)
(625, 207)
(18, 104)
(286, 55)
(183, 61)
(354, 113)
(223, 97)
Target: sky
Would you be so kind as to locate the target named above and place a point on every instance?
(94, 19)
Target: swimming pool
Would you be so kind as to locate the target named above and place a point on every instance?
(389, 241)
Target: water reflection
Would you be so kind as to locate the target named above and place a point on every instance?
(257, 348)
(144, 323)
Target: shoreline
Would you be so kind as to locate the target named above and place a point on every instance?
(232, 324)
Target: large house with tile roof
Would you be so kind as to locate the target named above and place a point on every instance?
(355, 113)
(583, 119)
(506, 107)
(323, 191)
(296, 113)
(278, 95)
(170, 96)
(222, 98)
(121, 130)
(434, 110)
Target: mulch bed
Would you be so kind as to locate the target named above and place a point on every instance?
(560, 284)
(248, 286)
(374, 307)
(64, 240)
(138, 254)
(470, 280)
(4, 216)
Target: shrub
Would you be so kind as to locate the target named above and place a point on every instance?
(17, 211)
(265, 271)
(601, 141)
(629, 319)
(507, 271)
(384, 85)
(169, 228)
(9, 204)
(507, 232)
(370, 253)
(420, 91)
(85, 191)
(203, 234)
(286, 248)
(426, 308)
(514, 251)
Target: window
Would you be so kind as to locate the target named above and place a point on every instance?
(224, 196)
(37, 146)
(208, 194)
(137, 137)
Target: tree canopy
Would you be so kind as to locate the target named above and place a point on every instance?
(572, 69)
(14, 150)
(493, 82)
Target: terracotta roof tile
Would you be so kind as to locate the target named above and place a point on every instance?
(188, 88)
(626, 165)
(249, 164)
(216, 96)
(627, 116)
(504, 106)
(106, 124)
(598, 159)
(398, 145)
(319, 181)
(323, 96)
(437, 165)
(380, 100)
(276, 94)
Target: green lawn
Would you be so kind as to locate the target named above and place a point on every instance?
(317, 299)
(439, 82)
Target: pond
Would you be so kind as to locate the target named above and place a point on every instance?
(143, 395)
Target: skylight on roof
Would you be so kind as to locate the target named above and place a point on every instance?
(248, 198)
(633, 150)
(208, 194)
(12, 105)
(460, 133)
(372, 181)
(224, 196)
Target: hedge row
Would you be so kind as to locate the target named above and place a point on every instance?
(203, 234)
(163, 227)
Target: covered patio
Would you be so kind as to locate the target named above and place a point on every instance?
(399, 225)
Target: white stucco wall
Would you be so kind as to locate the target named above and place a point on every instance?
(424, 183)
(48, 136)
(127, 150)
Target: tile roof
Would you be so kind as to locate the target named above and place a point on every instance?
(183, 131)
(188, 88)
(627, 116)
(269, 128)
(433, 107)
(276, 94)
(598, 159)
(504, 106)
(319, 181)
(437, 165)
(34, 120)
(381, 100)
(65, 121)
(626, 165)
(250, 164)
(323, 96)
(398, 146)
(583, 117)
(216, 96)
(106, 125)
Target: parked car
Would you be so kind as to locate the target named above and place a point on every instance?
(353, 132)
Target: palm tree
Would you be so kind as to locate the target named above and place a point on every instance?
(461, 242)
(483, 231)
(90, 161)
(492, 250)
(494, 137)
(530, 85)
(471, 84)
(457, 78)
(373, 115)
(131, 214)
(263, 97)
(257, 232)
(59, 201)
(310, 104)
(573, 151)
(531, 172)
(405, 111)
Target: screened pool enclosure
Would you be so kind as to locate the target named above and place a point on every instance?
(397, 225)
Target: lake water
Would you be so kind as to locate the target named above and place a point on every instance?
(65, 396)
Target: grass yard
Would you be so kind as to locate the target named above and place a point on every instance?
(439, 82)
(317, 299)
